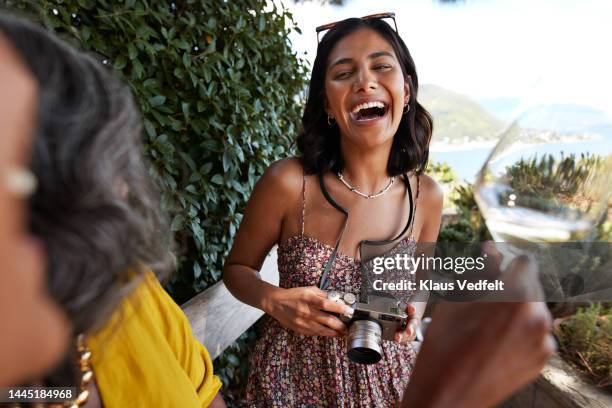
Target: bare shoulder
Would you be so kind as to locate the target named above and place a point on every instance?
(284, 177)
(431, 199)
(279, 189)
(431, 193)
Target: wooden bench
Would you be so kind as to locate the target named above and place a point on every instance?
(218, 318)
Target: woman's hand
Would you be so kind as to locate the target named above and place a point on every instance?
(306, 310)
(409, 333)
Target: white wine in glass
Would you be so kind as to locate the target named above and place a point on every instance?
(547, 183)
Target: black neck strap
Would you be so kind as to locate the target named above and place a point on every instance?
(324, 282)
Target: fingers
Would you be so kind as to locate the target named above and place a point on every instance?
(313, 328)
(310, 314)
(411, 310)
(330, 306)
(488, 248)
(331, 322)
(549, 347)
(319, 299)
(523, 282)
(316, 291)
(320, 330)
(408, 334)
(493, 260)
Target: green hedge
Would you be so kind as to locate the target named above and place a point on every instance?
(207, 77)
(220, 92)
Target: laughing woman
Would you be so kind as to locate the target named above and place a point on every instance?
(363, 148)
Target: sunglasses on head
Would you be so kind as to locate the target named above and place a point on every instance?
(378, 16)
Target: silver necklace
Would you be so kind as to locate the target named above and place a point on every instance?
(368, 196)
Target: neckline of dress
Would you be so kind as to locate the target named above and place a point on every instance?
(329, 247)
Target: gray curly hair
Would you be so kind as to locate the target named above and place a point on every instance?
(95, 208)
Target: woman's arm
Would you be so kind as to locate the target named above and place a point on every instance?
(277, 190)
(275, 198)
(430, 207)
(427, 219)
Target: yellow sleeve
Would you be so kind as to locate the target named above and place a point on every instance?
(192, 354)
(147, 355)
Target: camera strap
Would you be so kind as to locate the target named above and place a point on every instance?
(324, 281)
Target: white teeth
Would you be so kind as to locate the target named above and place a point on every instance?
(366, 105)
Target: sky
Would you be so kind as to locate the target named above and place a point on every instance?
(539, 51)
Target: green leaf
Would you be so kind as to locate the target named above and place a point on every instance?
(177, 223)
(120, 62)
(184, 45)
(157, 100)
(206, 168)
(197, 270)
(185, 109)
(233, 360)
(227, 160)
(217, 179)
(138, 69)
(132, 51)
(149, 128)
(190, 162)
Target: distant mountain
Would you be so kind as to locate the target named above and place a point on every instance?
(563, 118)
(457, 118)
(567, 118)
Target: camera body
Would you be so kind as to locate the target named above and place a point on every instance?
(371, 322)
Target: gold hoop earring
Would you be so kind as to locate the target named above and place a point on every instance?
(330, 118)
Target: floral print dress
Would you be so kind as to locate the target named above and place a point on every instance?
(288, 369)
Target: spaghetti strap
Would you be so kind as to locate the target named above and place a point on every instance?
(303, 204)
(416, 201)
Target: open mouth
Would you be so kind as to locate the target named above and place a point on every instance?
(369, 111)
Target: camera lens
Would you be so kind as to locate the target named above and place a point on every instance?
(364, 342)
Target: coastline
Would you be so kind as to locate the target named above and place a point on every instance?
(473, 145)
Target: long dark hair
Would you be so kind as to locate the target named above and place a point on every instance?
(319, 143)
(95, 208)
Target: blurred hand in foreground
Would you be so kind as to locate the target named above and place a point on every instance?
(476, 354)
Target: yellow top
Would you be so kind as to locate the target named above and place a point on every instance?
(147, 356)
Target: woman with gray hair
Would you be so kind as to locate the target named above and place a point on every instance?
(99, 219)
(33, 337)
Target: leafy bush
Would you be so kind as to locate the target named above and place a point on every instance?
(442, 172)
(584, 340)
(469, 225)
(448, 180)
(550, 184)
(543, 183)
(220, 93)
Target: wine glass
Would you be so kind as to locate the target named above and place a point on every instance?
(547, 182)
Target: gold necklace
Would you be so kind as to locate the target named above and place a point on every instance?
(368, 196)
(84, 363)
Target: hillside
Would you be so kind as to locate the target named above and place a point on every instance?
(457, 118)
